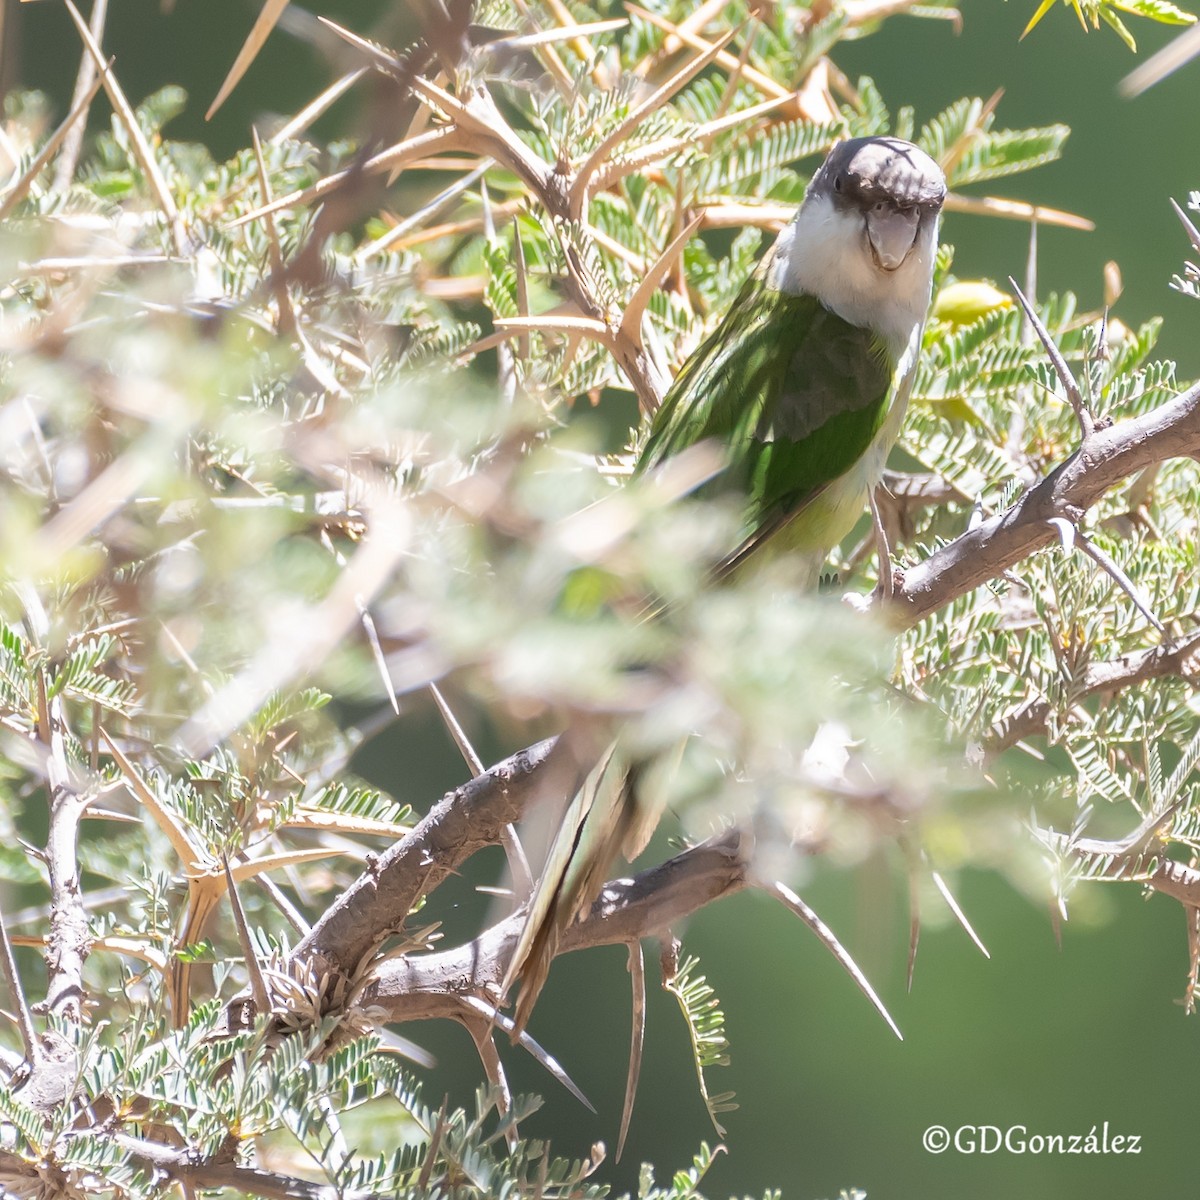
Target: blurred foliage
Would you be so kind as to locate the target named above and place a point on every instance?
(232, 492)
(1092, 12)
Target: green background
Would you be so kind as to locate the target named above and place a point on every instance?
(1058, 1040)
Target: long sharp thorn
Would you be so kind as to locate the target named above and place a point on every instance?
(435, 1144)
(1017, 210)
(378, 56)
(379, 658)
(258, 985)
(914, 925)
(682, 77)
(64, 171)
(315, 107)
(548, 1061)
(137, 139)
(493, 1068)
(518, 864)
(631, 322)
(287, 314)
(522, 284)
(544, 37)
(637, 1035)
(255, 40)
(293, 916)
(1191, 230)
(1162, 63)
(831, 943)
(1112, 568)
(18, 191)
(959, 915)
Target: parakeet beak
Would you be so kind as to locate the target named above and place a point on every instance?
(892, 233)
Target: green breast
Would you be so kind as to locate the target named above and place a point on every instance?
(795, 393)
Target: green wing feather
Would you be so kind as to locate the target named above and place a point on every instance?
(793, 392)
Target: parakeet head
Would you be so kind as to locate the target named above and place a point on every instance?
(888, 188)
(865, 236)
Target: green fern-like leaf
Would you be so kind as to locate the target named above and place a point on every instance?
(706, 1029)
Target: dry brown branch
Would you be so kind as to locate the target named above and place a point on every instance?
(1136, 857)
(69, 937)
(431, 985)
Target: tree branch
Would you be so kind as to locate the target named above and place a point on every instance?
(183, 1167)
(1134, 857)
(427, 986)
(1105, 459)
(1180, 658)
(463, 822)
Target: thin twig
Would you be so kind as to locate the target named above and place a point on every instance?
(1074, 396)
(21, 187)
(1181, 658)
(86, 86)
(24, 1016)
(137, 139)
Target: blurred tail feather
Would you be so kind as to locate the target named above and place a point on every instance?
(597, 824)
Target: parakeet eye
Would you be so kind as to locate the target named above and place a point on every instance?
(837, 183)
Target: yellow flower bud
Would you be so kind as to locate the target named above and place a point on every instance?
(967, 300)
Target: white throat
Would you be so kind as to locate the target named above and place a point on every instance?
(825, 253)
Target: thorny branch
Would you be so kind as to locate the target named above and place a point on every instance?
(424, 986)
(421, 987)
(1178, 658)
(192, 1171)
(377, 905)
(1105, 459)
(463, 822)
